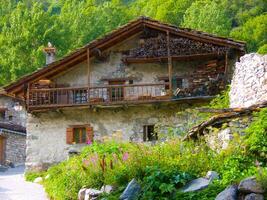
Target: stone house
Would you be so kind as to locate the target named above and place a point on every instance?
(124, 83)
(12, 130)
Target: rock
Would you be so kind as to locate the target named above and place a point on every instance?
(3, 168)
(230, 193)
(91, 194)
(195, 185)
(107, 189)
(250, 185)
(81, 194)
(38, 180)
(47, 176)
(132, 191)
(212, 175)
(254, 196)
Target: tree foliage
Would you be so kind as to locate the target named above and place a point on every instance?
(26, 26)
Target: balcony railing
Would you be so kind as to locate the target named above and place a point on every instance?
(104, 95)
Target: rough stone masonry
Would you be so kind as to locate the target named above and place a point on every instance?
(249, 84)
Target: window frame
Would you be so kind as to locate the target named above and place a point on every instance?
(149, 136)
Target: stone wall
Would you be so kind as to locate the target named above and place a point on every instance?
(46, 137)
(11, 115)
(249, 84)
(219, 136)
(15, 147)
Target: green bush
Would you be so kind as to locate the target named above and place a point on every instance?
(162, 184)
(161, 169)
(256, 138)
(31, 176)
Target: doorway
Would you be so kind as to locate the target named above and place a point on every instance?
(116, 93)
(2, 149)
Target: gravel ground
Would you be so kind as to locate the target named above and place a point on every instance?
(14, 187)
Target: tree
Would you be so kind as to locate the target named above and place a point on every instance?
(208, 16)
(23, 35)
(253, 32)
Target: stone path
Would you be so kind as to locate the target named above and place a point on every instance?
(14, 187)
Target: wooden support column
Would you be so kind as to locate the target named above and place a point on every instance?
(226, 67)
(88, 74)
(169, 63)
(88, 67)
(28, 96)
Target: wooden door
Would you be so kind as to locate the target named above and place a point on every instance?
(2, 150)
(116, 93)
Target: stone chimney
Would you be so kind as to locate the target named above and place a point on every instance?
(50, 53)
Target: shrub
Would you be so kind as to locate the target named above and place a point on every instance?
(256, 139)
(31, 176)
(162, 183)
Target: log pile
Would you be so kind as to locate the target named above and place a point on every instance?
(225, 115)
(207, 79)
(179, 46)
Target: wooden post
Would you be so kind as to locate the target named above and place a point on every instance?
(226, 68)
(169, 63)
(28, 97)
(88, 74)
(88, 67)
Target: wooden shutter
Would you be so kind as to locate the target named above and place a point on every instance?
(90, 133)
(69, 135)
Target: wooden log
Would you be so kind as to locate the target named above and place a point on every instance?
(224, 115)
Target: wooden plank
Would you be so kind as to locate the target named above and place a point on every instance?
(176, 58)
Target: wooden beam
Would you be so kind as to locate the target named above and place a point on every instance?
(177, 58)
(226, 67)
(169, 62)
(88, 67)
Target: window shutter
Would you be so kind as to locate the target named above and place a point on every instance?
(90, 133)
(69, 135)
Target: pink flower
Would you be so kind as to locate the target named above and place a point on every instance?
(86, 163)
(125, 156)
(89, 142)
(94, 159)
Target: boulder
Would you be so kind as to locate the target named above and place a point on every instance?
(132, 191)
(38, 180)
(250, 185)
(107, 189)
(230, 193)
(81, 194)
(212, 175)
(254, 196)
(195, 185)
(91, 194)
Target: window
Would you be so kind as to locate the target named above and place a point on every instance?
(116, 93)
(10, 117)
(79, 134)
(149, 133)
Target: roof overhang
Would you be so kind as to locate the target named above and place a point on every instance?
(110, 40)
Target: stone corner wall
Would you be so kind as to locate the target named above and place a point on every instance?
(249, 84)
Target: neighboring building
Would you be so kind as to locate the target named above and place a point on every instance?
(12, 130)
(138, 76)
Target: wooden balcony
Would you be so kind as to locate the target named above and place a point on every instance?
(104, 95)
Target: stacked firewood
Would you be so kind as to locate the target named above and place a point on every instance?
(207, 79)
(157, 47)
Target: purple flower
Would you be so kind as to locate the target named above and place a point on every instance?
(89, 142)
(125, 156)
